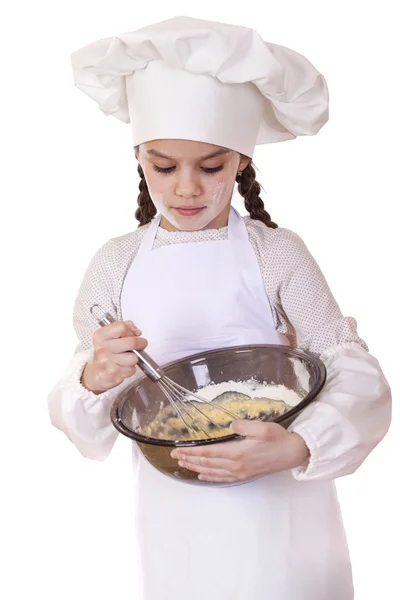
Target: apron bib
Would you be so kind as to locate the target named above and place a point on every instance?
(274, 538)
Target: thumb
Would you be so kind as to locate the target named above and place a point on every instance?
(252, 429)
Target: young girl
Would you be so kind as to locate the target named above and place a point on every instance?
(196, 276)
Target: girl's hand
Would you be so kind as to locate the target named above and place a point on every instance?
(112, 362)
(268, 448)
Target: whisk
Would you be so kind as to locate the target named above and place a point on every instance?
(178, 396)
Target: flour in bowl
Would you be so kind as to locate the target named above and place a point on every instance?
(251, 388)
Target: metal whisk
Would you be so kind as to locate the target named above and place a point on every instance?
(178, 396)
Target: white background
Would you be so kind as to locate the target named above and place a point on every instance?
(69, 183)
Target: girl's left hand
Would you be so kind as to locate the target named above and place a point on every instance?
(268, 448)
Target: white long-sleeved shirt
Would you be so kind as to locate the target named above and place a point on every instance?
(353, 411)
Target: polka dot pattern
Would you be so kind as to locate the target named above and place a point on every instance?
(303, 306)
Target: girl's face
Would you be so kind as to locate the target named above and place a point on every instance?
(190, 183)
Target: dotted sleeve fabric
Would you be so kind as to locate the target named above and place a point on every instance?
(303, 307)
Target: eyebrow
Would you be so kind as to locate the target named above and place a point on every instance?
(212, 155)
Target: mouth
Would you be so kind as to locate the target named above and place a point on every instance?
(189, 211)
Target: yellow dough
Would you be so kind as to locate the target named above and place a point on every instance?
(211, 421)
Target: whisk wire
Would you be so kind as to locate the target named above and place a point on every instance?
(187, 393)
(175, 401)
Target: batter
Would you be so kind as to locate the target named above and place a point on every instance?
(211, 421)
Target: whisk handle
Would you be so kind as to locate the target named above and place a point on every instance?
(146, 363)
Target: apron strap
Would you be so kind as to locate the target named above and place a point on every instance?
(148, 240)
(236, 226)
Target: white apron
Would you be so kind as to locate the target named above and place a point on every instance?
(270, 539)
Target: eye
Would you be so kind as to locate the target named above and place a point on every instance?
(165, 170)
(207, 170)
(213, 170)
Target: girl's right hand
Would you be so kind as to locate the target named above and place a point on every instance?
(112, 362)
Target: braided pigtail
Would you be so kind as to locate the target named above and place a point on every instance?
(249, 188)
(146, 210)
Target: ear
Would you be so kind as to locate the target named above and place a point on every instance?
(244, 162)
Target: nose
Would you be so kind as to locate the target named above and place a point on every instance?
(187, 185)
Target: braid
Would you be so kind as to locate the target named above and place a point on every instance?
(249, 188)
(146, 210)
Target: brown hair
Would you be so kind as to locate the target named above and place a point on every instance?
(146, 210)
(248, 187)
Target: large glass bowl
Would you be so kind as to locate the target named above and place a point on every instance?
(139, 403)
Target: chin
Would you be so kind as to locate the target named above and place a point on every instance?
(189, 223)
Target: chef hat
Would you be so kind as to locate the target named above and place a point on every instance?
(198, 80)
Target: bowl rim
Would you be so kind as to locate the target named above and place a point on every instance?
(117, 406)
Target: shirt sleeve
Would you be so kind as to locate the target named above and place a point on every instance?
(82, 416)
(96, 288)
(353, 411)
(302, 296)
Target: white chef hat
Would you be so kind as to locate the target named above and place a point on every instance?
(199, 80)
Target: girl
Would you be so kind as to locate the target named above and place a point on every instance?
(196, 276)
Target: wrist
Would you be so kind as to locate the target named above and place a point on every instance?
(300, 453)
(86, 380)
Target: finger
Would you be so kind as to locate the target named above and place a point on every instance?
(113, 331)
(125, 344)
(103, 353)
(126, 360)
(205, 470)
(231, 450)
(136, 330)
(254, 429)
(208, 463)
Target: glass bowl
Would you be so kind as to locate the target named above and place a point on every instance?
(301, 373)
